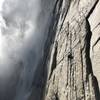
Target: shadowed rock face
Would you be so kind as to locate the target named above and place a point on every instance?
(70, 74)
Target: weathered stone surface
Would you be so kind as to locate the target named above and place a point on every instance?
(70, 70)
(95, 41)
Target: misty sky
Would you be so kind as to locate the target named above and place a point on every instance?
(21, 44)
(18, 30)
(23, 31)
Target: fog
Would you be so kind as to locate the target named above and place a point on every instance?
(23, 33)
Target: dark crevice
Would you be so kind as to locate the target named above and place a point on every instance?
(54, 63)
(92, 9)
(88, 60)
(96, 26)
(56, 96)
(95, 43)
(96, 89)
(88, 39)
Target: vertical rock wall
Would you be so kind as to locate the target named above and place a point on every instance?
(70, 74)
(94, 20)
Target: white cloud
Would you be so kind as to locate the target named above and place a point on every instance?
(1, 2)
(22, 38)
(18, 33)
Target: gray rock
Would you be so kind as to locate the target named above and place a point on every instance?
(70, 69)
(95, 41)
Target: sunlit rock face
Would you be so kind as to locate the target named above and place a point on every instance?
(71, 70)
(95, 41)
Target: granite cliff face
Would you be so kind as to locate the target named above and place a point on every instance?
(71, 69)
(95, 41)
